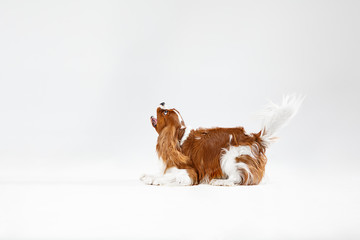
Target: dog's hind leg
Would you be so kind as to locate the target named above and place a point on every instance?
(237, 173)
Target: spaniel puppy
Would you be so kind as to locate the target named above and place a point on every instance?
(218, 156)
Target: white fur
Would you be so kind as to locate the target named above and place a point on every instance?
(230, 167)
(161, 106)
(180, 118)
(186, 135)
(222, 182)
(173, 176)
(277, 116)
(149, 179)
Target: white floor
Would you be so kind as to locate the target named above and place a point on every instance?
(285, 206)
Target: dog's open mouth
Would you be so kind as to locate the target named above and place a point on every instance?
(153, 121)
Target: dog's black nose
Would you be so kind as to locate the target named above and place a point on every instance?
(162, 104)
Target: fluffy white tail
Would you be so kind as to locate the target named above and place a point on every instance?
(275, 117)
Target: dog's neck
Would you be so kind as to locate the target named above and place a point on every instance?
(169, 150)
(181, 133)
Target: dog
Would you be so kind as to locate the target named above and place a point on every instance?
(217, 156)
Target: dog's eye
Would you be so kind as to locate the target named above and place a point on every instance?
(165, 112)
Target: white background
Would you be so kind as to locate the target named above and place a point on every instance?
(80, 79)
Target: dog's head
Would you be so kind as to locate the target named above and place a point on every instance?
(167, 118)
(171, 127)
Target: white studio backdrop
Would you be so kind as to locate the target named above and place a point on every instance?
(79, 81)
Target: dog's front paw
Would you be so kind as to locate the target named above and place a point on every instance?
(222, 182)
(184, 180)
(147, 179)
(158, 181)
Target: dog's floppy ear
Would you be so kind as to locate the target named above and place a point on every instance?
(169, 150)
